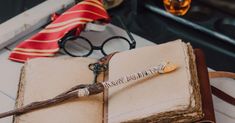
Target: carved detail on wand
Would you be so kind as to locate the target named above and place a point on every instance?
(86, 90)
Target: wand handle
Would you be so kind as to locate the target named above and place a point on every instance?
(160, 69)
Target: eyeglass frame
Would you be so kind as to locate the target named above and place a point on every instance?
(71, 36)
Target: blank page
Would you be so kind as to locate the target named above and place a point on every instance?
(45, 78)
(140, 99)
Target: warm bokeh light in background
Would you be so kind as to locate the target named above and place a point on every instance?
(177, 7)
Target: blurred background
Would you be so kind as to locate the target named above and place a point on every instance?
(10, 8)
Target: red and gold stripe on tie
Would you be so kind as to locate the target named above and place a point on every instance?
(45, 43)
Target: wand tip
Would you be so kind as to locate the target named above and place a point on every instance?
(169, 67)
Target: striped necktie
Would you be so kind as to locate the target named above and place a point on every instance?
(45, 43)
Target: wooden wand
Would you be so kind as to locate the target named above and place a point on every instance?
(92, 89)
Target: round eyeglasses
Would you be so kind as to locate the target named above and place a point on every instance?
(78, 46)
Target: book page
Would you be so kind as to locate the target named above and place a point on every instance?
(156, 95)
(45, 78)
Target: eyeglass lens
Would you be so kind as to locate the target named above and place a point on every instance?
(80, 46)
(115, 44)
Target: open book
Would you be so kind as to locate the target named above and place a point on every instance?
(173, 97)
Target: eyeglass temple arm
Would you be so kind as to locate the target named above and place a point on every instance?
(127, 31)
